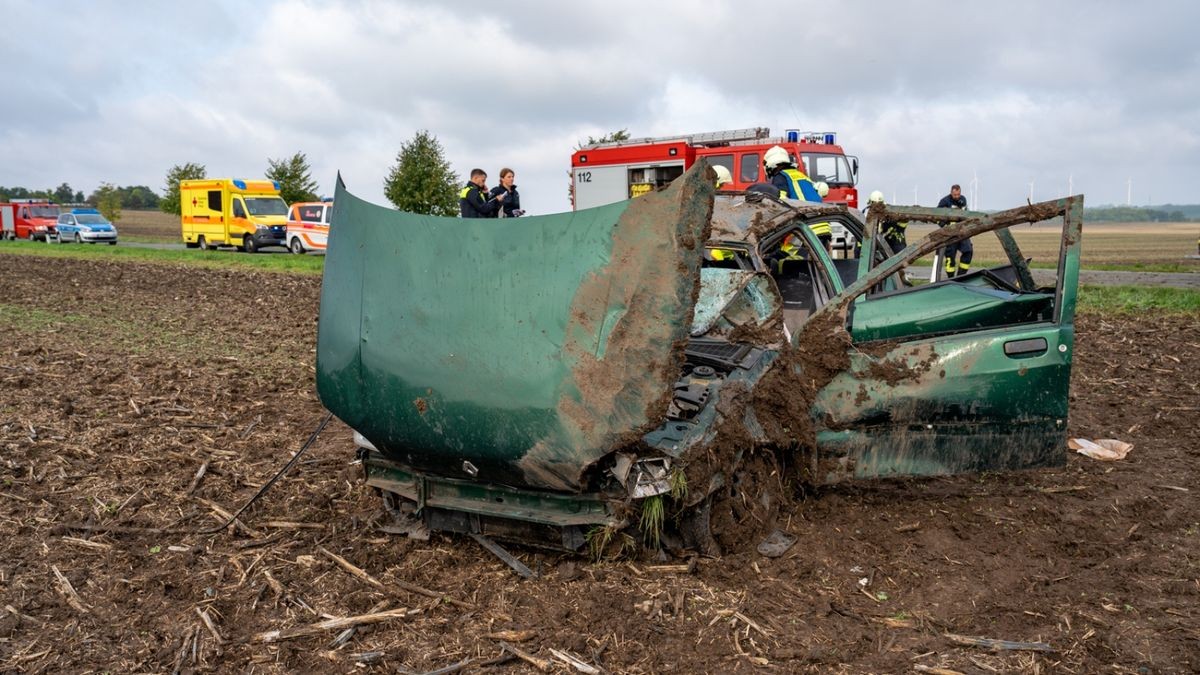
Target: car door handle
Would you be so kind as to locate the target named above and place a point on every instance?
(1030, 347)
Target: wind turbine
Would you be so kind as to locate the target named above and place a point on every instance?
(975, 190)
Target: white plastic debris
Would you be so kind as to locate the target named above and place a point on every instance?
(1105, 449)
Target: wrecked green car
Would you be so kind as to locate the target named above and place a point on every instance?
(553, 380)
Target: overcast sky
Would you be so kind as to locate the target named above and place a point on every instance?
(924, 93)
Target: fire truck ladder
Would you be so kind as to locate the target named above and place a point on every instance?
(709, 139)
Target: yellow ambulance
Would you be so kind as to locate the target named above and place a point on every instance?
(232, 212)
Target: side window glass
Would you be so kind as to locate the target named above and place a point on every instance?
(214, 200)
(310, 214)
(25, 213)
(239, 210)
(748, 168)
(722, 160)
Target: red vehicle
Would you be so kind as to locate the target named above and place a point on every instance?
(31, 219)
(611, 172)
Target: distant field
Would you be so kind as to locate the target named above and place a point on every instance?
(1157, 247)
(149, 226)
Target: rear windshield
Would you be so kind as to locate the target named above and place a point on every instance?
(266, 206)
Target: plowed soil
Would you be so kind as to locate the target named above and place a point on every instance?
(120, 381)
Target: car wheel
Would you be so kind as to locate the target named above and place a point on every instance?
(112, 243)
(190, 244)
(203, 244)
(248, 244)
(296, 246)
(78, 239)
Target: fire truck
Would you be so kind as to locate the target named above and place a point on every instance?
(31, 219)
(604, 173)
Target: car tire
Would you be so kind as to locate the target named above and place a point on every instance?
(203, 245)
(190, 244)
(112, 243)
(78, 239)
(296, 246)
(248, 244)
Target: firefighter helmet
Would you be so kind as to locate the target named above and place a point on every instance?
(876, 197)
(822, 189)
(776, 156)
(723, 175)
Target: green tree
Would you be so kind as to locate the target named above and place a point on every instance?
(63, 194)
(421, 181)
(296, 183)
(611, 137)
(108, 200)
(190, 171)
(79, 197)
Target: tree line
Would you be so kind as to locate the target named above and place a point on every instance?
(1141, 214)
(419, 182)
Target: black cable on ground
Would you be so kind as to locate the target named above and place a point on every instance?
(132, 529)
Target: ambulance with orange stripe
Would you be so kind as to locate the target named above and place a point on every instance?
(248, 214)
(308, 226)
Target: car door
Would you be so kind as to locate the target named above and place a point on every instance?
(66, 227)
(969, 374)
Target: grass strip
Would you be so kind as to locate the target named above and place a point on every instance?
(263, 262)
(1139, 299)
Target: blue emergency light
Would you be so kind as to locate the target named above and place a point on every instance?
(239, 184)
(793, 135)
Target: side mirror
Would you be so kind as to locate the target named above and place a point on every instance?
(854, 166)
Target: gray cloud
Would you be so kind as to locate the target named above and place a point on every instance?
(925, 93)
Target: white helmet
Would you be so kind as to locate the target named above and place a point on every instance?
(822, 189)
(723, 175)
(876, 197)
(776, 156)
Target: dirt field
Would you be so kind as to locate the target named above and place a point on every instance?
(120, 381)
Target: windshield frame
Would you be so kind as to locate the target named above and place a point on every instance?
(810, 161)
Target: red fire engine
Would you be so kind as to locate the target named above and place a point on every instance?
(30, 219)
(611, 172)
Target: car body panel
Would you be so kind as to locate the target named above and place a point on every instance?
(522, 353)
(86, 224)
(513, 379)
(308, 224)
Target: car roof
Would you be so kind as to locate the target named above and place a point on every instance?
(749, 217)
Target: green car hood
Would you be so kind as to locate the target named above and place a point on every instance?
(512, 351)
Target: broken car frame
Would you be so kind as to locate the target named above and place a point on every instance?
(555, 381)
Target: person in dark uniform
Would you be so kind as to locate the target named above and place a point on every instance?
(512, 199)
(963, 249)
(474, 201)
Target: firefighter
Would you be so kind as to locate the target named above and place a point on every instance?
(823, 230)
(792, 182)
(894, 233)
(723, 176)
(512, 199)
(473, 200)
(964, 250)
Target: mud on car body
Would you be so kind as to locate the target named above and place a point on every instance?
(588, 374)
